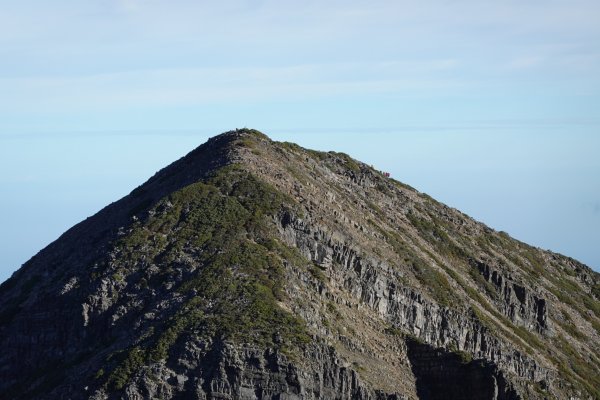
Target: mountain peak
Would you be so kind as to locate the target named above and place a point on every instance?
(256, 269)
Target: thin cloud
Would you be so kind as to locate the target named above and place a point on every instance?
(154, 87)
(525, 62)
(71, 57)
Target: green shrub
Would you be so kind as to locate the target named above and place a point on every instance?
(596, 290)
(433, 232)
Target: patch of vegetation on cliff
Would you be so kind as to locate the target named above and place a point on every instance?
(298, 150)
(596, 290)
(464, 356)
(234, 294)
(569, 292)
(577, 369)
(348, 162)
(432, 231)
(132, 362)
(434, 281)
(569, 326)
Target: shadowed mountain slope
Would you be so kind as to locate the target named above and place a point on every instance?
(252, 269)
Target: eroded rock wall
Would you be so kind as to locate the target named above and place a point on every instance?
(376, 284)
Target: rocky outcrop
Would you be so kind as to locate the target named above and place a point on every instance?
(226, 371)
(518, 302)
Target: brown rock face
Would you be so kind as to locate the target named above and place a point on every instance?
(252, 269)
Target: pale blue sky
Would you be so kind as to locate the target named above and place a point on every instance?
(489, 106)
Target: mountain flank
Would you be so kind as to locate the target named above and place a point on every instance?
(254, 269)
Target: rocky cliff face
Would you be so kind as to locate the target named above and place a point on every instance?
(252, 269)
